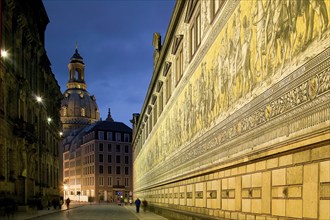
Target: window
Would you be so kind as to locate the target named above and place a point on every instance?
(179, 65)
(118, 170)
(118, 159)
(168, 86)
(100, 146)
(118, 136)
(126, 138)
(126, 170)
(215, 6)
(150, 123)
(109, 170)
(101, 180)
(109, 158)
(100, 158)
(109, 148)
(101, 135)
(64, 111)
(117, 148)
(160, 102)
(195, 33)
(109, 181)
(126, 159)
(82, 112)
(155, 114)
(126, 149)
(100, 169)
(109, 136)
(126, 181)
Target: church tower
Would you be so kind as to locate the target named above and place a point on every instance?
(78, 107)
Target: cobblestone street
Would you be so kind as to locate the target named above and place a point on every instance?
(87, 211)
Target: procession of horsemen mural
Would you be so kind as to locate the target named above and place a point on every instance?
(254, 49)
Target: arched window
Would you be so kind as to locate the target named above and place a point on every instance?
(82, 113)
(64, 111)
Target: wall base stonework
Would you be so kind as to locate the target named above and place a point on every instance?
(293, 183)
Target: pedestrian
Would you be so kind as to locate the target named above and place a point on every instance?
(145, 204)
(61, 203)
(137, 204)
(130, 201)
(54, 203)
(49, 204)
(68, 203)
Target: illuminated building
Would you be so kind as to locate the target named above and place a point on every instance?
(235, 123)
(97, 155)
(29, 107)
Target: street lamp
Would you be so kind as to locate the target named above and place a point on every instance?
(49, 119)
(4, 54)
(39, 99)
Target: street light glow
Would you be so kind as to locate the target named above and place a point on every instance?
(49, 119)
(39, 99)
(4, 53)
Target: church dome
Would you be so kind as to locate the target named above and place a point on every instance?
(78, 107)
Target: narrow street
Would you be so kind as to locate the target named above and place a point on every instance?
(90, 212)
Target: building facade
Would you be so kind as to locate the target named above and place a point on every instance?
(29, 107)
(107, 161)
(97, 155)
(235, 123)
(78, 110)
(98, 166)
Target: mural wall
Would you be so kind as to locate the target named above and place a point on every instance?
(260, 44)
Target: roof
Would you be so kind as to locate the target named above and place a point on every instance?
(110, 126)
(76, 58)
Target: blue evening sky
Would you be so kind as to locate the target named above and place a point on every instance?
(115, 40)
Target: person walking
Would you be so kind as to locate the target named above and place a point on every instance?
(61, 203)
(68, 203)
(145, 204)
(137, 204)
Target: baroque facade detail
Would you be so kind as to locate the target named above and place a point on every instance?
(29, 105)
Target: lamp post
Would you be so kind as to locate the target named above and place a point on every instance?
(39, 100)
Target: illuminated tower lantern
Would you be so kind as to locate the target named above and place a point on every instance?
(78, 107)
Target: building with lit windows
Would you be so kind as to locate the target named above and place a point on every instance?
(97, 154)
(98, 167)
(78, 110)
(29, 108)
(235, 122)
(107, 161)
